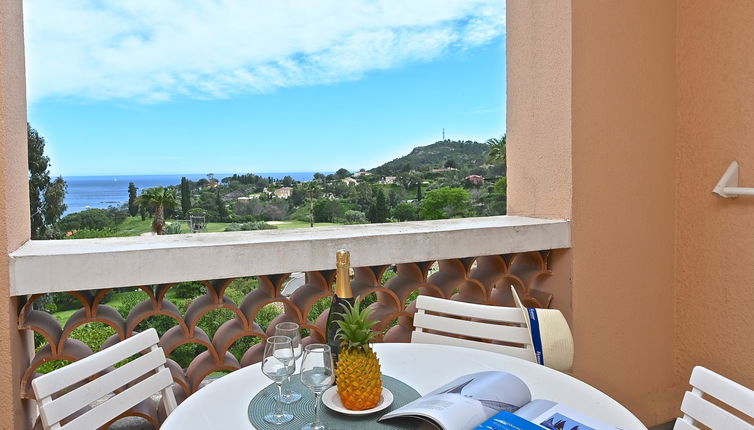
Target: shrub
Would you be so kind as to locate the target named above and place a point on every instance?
(93, 234)
(243, 218)
(127, 301)
(188, 290)
(173, 228)
(445, 202)
(404, 212)
(257, 225)
(93, 334)
(301, 214)
(56, 302)
(266, 315)
(355, 217)
(233, 227)
(91, 219)
(197, 211)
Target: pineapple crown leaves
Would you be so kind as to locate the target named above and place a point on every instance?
(355, 327)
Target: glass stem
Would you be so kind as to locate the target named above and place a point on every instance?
(316, 409)
(287, 386)
(279, 403)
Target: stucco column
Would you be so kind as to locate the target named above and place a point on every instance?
(591, 137)
(14, 206)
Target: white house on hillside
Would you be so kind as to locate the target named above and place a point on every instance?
(283, 192)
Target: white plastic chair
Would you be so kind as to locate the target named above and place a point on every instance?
(697, 409)
(147, 373)
(491, 323)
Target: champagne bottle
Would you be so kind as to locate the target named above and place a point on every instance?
(343, 295)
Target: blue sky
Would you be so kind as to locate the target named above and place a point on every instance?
(139, 88)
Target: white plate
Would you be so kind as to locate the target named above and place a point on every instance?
(331, 399)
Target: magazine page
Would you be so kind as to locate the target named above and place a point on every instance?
(468, 401)
(561, 417)
(544, 414)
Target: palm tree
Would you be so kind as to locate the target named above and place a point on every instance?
(312, 189)
(496, 150)
(159, 199)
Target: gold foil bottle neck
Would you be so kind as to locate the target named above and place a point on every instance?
(342, 258)
(343, 274)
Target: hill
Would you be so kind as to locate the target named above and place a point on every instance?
(423, 158)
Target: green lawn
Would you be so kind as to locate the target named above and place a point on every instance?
(63, 316)
(115, 300)
(214, 227)
(134, 226)
(301, 224)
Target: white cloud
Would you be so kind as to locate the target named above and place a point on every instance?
(155, 50)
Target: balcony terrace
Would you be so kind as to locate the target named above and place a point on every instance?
(621, 117)
(473, 259)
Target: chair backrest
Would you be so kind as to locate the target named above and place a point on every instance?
(148, 369)
(697, 409)
(476, 324)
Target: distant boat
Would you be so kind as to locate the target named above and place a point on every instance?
(115, 179)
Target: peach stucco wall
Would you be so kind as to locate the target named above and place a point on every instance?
(591, 132)
(539, 87)
(14, 205)
(715, 236)
(623, 211)
(661, 101)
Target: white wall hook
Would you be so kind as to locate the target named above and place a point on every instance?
(728, 187)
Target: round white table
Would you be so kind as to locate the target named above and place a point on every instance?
(222, 404)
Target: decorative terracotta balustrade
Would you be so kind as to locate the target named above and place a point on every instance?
(391, 289)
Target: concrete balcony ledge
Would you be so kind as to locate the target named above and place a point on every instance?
(67, 265)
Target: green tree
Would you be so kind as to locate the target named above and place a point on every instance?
(326, 210)
(450, 164)
(404, 212)
(342, 173)
(90, 219)
(378, 211)
(185, 196)
(298, 195)
(363, 195)
(287, 181)
(46, 196)
(159, 199)
(501, 186)
(133, 206)
(496, 150)
(355, 217)
(419, 192)
(395, 196)
(408, 180)
(496, 201)
(222, 210)
(445, 202)
(312, 190)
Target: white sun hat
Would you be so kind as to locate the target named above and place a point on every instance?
(550, 335)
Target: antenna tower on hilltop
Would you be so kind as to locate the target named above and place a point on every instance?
(443, 134)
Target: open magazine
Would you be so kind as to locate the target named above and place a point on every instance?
(493, 401)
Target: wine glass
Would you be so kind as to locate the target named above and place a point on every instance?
(317, 374)
(278, 364)
(291, 330)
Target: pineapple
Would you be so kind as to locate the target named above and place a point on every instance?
(358, 372)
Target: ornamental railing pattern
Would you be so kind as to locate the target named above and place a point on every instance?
(391, 289)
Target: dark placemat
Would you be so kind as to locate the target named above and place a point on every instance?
(303, 410)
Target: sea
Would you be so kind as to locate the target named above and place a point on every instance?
(86, 192)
